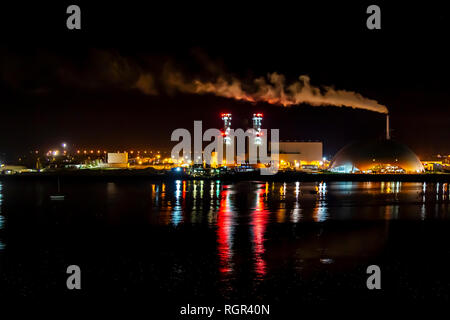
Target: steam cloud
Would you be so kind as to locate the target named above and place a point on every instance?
(274, 90)
(108, 69)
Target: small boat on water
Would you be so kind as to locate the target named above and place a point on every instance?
(58, 196)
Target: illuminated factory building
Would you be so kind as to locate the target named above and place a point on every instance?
(292, 154)
(301, 155)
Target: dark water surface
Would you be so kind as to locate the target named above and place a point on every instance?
(208, 242)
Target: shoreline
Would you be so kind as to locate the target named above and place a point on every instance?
(123, 175)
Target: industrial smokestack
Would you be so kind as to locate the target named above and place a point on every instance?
(388, 134)
(226, 117)
(257, 118)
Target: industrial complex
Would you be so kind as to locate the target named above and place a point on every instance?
(374, 156)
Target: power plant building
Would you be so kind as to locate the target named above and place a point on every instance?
(297, 154)
(376, 156)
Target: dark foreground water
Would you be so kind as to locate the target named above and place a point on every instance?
(205, 243)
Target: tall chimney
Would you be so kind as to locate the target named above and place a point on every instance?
(388, 134)
(226, 117)
(257, 118)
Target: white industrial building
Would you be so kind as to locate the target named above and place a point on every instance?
(298, 154)
(117, 160)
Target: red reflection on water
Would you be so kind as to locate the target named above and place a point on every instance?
(224, 232)
(259, 222)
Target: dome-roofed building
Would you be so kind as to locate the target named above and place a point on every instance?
(376, 156)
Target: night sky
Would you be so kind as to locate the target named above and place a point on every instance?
(80, 86)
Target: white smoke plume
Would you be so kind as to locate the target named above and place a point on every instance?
(274, 90)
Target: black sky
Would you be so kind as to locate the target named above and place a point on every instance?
(78, 86)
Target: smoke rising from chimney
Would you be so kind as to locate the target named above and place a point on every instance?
(108, 69)
(274, 90)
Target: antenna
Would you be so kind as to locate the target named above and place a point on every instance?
(388, 133)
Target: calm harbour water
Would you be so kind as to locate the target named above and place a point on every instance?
(182, 242)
